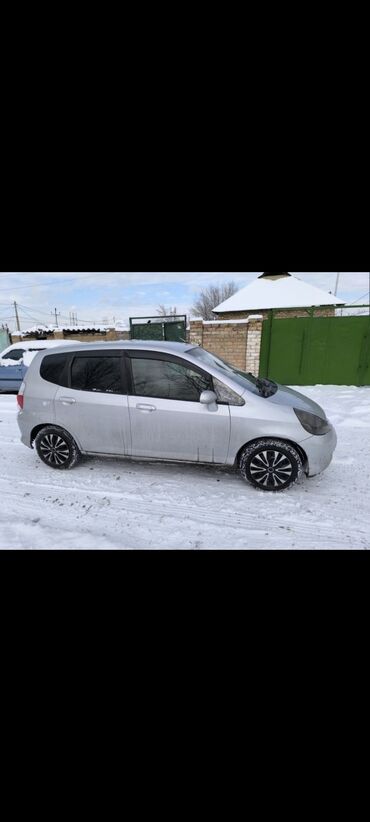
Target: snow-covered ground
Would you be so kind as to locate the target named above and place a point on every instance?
(117, 503)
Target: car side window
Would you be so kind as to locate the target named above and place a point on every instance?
(16, 354)
(54, 368)
(101, 374)
(167, 379)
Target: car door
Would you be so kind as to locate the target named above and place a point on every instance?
(11, 375)
(93, 406)
(167, 419)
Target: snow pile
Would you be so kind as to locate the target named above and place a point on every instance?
(28, 357)
(7, 362)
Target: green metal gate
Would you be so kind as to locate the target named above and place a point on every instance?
(159, 328)
(316, 350)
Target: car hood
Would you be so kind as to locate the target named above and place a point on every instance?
(287, 396)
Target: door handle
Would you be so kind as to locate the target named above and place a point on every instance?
(67, 400)
(143, 407)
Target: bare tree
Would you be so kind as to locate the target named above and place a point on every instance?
(166, 312)
(212, 296)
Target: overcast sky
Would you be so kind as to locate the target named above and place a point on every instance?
(101, 297)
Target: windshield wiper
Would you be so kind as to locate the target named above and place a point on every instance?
(266, 387)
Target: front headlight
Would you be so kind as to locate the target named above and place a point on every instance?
(311, 423)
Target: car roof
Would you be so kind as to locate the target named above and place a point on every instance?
(27, 344)
(122, 345)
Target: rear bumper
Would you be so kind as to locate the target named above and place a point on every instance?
(25, 429)
(319, 452)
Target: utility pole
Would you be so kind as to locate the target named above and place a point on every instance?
(16, 315)
(56, 316)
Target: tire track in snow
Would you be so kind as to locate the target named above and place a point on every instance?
(311, 533)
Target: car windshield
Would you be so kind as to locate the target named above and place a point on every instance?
(246, 381)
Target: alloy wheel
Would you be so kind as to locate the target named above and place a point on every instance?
(271, 468)
(54, 449)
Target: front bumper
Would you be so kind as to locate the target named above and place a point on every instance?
(319, 452)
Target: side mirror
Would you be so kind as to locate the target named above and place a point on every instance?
(208, 397)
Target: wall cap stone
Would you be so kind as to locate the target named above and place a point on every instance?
(225, 322)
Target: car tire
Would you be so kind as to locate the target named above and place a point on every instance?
(270, 465)
(57, 448)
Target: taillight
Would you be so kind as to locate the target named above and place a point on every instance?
(20, 397)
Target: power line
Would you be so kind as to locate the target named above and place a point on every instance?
(360, 298)
(29, 307)
(63, 316)
(41, 285)
(25, 311)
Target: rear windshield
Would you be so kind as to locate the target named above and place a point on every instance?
(14, 354)
(246, 381)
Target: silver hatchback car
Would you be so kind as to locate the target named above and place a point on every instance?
(169, 401)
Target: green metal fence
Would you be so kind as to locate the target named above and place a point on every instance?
(159, 328)
(317, 350)
(4, 339)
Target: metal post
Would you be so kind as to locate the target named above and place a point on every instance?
(336, 284)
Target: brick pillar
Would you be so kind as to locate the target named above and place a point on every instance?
(111, 334)
(196, 332)
(254, 345)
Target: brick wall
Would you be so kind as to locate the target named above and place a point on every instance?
(226, 340)
(328, 311)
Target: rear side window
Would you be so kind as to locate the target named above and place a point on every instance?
(101, 374)
(54, 368)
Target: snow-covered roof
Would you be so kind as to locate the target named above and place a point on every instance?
(283, 292)
(35, 329)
